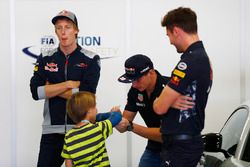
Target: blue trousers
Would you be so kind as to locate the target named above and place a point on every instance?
(150, 159)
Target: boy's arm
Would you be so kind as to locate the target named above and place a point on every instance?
(114, 117)
(102, 116)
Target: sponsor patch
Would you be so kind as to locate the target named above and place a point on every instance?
(36, 68)
(140, 97)
(140, 104)
(182, 66)
(51, 67)
(82, 65)
(130, 71)
(175, 80)
(179, 73)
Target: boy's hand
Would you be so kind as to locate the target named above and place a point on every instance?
(116, 109)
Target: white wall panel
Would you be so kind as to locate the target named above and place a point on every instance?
(245, 57)
(7, 138)
(220, 31)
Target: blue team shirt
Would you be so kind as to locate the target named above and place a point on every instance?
(192, 76)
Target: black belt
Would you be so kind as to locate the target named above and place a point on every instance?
(181, 137)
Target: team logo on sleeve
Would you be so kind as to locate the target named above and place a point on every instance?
(182, 66)
(179, 73)
(175, 80)
(36, 67)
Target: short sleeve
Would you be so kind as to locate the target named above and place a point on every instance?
(131, 101)
(65, 154)
(106, 128)
(183, 74)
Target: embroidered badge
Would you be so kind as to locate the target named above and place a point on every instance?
(175, 80)
(82, 65)
(51, 67)
(36, 68)
(140, 97)
(182, 66)
(179, 73)
(130, 71)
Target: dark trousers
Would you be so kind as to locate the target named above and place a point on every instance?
(181, 153)
(150, 159)
(51, 146)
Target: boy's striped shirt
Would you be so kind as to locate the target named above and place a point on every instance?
(86, 145)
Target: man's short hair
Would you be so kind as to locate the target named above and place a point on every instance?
(184, 18)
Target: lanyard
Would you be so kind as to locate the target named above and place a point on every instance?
(85, 121)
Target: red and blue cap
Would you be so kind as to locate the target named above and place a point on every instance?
(135, 67)
(65, 14)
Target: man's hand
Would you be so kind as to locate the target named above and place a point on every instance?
(72, 84)
(59, 89)
(122, 126)
(183, 103)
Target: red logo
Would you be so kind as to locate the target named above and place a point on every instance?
(52, 67)
(82, 65)
(175, 80)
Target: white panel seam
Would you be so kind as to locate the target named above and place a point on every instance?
(243, 51)
(13, 82)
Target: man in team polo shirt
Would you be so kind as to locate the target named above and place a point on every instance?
(147, 84)
(192, 76)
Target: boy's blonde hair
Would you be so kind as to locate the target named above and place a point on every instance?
(79, 104)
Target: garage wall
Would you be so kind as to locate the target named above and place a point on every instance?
(7, 99)
(123, 28)
(245, 50)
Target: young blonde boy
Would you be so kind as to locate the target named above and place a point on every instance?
(85, 144)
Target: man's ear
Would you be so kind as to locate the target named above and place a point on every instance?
(176, 31)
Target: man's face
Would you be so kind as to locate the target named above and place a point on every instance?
(66, 32)
(174, 38)
(142, 83)
(170, 35)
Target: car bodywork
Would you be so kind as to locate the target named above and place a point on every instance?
(231, 146)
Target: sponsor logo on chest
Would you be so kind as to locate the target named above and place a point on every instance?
(51, 67)
(140, 99)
